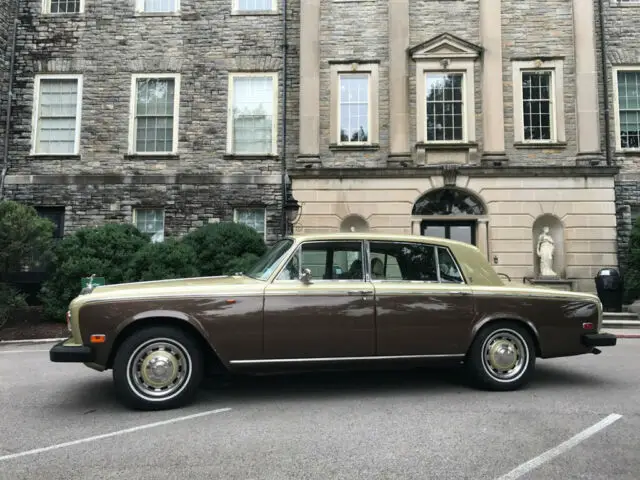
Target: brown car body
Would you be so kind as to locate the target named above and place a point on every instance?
(249, 325)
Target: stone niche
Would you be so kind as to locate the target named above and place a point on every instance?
(555, 230)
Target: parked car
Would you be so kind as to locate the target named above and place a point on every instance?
(328, 301)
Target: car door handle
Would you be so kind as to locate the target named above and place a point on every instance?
(459, 292)
(360, 292)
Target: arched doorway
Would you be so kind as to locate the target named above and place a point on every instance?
(354, 223)
(450, 213)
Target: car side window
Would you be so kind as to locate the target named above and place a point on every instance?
(338, 260)
(403, 261)
(449, 271)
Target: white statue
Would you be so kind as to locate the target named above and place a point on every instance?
(545, 252)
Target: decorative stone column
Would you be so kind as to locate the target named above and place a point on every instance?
(309, 136)
(584, 40)
(398, 79)
(492, 85)
(481, 238)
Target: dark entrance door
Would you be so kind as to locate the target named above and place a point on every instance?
(464, 231)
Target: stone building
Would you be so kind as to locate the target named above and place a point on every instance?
(164, 113)
(476, 120)
(622, 53)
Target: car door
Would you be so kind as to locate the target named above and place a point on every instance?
(423, 306)
(330, 316)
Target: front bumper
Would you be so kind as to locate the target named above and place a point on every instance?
(599, 339)
(67, 351)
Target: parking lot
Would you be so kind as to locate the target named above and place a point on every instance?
(62, 422)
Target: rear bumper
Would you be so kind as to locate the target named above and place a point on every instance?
(599, 339)
(66, 351)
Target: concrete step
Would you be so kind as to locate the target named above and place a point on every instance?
(620, 323)
(623, 332)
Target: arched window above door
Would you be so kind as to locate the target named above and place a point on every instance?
(449, 201)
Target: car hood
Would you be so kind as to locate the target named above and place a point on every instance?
(210, 285)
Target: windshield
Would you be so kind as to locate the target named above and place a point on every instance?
(266, 264)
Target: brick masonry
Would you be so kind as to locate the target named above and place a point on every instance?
(107, 45)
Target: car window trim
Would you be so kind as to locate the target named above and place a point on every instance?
(298, 251)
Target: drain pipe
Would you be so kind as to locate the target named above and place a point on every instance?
(5, 163)
(283, 160)
(605, 84)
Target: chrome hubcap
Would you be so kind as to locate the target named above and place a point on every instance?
(505, 355)
(159, 369)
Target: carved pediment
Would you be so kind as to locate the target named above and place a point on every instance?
(445, 45)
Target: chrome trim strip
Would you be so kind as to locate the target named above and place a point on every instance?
(344, 359)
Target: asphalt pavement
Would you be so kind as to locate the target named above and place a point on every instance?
(580, 418)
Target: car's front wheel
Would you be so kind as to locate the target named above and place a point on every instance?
(158, 368)
(502, 357)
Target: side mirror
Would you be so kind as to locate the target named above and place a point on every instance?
(306, 276)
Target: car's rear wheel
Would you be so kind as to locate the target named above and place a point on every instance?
(158, 368)
(502, 357)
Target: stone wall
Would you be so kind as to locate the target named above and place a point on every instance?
(7, 12)
(622, 39)
(203, 43)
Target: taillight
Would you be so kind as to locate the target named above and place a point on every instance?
(69, 320)
(587, 326)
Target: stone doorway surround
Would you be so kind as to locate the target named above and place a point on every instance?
(517, 200)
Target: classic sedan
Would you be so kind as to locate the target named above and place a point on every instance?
(328, 301)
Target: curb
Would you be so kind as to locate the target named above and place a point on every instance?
(34, 340)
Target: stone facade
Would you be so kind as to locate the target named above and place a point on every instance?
(516, 186)
(7, 14)
(104, 179)
(622, 46)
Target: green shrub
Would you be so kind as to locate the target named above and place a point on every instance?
(10, 299)
(163, 261)
(219, 246)
(106, 251)
(240, 264)
(24, 236)
(632, 273)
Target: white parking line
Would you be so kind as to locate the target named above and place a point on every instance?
(112, 434)
(558, 450)
(2, 352)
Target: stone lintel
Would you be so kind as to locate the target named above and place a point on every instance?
(190, 179)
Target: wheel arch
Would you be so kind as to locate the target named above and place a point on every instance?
(177, 320)
(523, 322)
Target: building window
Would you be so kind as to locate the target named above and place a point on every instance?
(157, 6)
(354, 107)
(537, 97)
(444, 107)
(627, 90)
(252, 120)
(58, 102)
(354, 112)
(63, 6)
(151, 222)
(242, 6)
(252, 217)
(154, 106)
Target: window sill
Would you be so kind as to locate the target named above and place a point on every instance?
(338, 147)
(157, 14)
(54, 156)
(450, 146)
(250, 156)
(628, 152)
(152, 156)
(540, 145)
(254, 13)
(62, 15)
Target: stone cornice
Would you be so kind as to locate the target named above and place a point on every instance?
(151, 179)
(469, 171)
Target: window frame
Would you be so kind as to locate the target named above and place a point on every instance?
(235, 10)
(465, 66)
(556, 67)
(139, 9)
(132, 112)
(276, 111)
(371, 69)
(616, 107)
(46, 9)
(35, 124)
(264, 217)
(134, 220)
(297, 252)
(435, 248)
